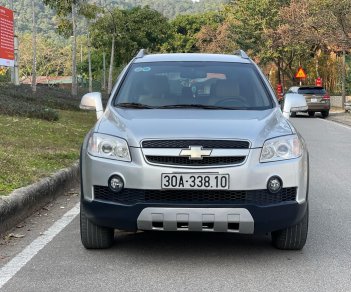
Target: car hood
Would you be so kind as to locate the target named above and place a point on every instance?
(135, 125)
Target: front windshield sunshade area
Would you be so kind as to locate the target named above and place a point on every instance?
(193, 84)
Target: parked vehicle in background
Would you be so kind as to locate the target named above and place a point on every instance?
(317, 98)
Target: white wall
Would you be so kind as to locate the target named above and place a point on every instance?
(336, 101)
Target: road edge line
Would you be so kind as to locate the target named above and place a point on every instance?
(23, 202)
(20, 260)
(336, 123)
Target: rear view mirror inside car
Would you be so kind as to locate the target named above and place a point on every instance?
(193, 74)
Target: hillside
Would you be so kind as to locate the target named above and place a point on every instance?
(171, 8)
(46, 17)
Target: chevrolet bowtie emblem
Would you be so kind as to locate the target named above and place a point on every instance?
(195, 152)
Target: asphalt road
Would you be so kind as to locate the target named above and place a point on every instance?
(216, 262)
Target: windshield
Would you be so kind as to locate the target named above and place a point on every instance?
(208, 85)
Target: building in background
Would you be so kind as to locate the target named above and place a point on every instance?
(64, 82)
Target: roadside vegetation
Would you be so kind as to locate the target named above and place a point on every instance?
(279, 35)
(20, 101)
(33, 146)
(47, 97)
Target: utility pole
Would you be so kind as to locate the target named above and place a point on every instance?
(16, 71)
(104, 71)
(109, 83)
(74, 52)
(109, 86)
(343, 77)
(89, 60)
(34, 38)
(300, 67)
(13, 68)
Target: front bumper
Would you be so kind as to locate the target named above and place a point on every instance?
(264, 219)
(252, 175)
(138, 174)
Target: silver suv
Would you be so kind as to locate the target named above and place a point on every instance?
(194, 142)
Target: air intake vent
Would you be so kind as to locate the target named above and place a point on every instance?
(205, 161)
(212, 144)
(135, 196)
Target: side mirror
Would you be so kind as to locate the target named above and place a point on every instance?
(92, 101)
(294, 103)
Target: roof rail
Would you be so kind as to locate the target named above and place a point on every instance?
(141, 53)
(241, 53)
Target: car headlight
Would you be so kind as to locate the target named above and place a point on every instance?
(107, 146)
(286, 147)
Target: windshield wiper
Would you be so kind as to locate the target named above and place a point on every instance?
(201, 106)
(134, 105)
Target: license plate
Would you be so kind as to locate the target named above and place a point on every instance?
(195, 181)
(314, 100)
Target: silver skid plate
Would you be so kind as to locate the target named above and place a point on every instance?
(238, 220)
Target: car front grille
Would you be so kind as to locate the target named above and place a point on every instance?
(135, 196)
(212, 144)
(205, 161)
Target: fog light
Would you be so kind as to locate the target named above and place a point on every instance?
(274, 184)
(116, 183)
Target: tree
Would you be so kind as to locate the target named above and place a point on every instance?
(216, 39)
(34, 34)
(47, 20)
(258, 27)
(335, 19)
(171, 8)
(107, 28)
(64, 8)
(53, 56)
(186, 27)
(126, 32)
(313, 30)
(146, 28)
(74, 51)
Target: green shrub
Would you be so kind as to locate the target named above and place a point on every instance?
(15, 107)
(45, 96)
(21, 101)
(48, 114)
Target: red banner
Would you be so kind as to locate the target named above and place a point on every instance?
(319, 81)
(280, 92)
(7, 52)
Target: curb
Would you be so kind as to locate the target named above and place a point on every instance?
(22, 202)
(341, 119)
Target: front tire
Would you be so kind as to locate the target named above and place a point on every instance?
(311, 114)
(293, 114)
(92, 235)
(293, 237)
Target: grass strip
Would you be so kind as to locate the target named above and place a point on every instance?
(31, 148)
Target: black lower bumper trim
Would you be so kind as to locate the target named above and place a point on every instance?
(266, 218)
(260, 197)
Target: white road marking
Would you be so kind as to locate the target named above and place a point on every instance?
(18, 262)
(336, 123)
